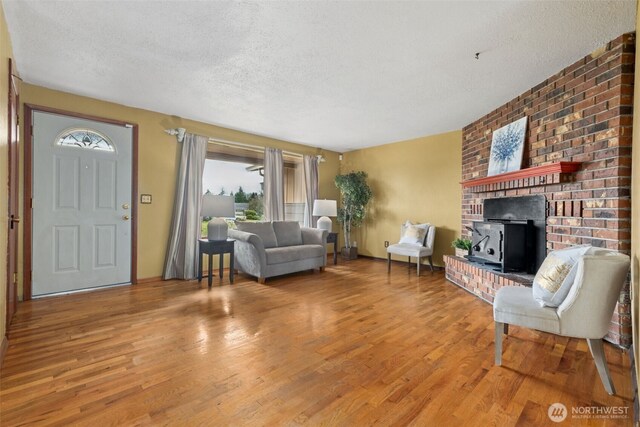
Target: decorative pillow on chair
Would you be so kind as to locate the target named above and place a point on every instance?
(414, 234)
(555, 277)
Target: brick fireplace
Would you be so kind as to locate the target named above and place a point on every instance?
(577, 154)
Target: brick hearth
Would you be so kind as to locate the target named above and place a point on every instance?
(581, 114)
(480, 281)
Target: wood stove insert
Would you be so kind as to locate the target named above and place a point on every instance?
(511, 237)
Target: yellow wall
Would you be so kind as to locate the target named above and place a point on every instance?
(635, 208)
(158, 162)
(417, 180)
(5, 54)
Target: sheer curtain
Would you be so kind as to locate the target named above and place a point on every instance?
(273, 185)
(311, 188)
(182, 254)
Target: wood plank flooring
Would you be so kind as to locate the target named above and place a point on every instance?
(349, 346)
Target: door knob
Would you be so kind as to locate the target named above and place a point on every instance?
(14, 220)
(125, 217)
(125, 206)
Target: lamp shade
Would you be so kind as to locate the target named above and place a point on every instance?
(325, 208)
(218, 206)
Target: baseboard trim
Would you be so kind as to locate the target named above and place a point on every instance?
(3, 348)
(149, 280)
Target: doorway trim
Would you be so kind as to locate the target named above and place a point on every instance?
(13, 143)
(28, 189)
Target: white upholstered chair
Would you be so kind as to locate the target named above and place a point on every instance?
(585, 313)
(411, 250)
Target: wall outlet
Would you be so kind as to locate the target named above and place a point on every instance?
(386, 243)
(145, 199)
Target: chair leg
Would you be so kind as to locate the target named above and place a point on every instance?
(597, 351)
(499, 330)
(388, 263)
(409, 264)
(431, 262)
(418, 262)
(506, 328)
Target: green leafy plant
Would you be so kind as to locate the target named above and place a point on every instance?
(256, 204)
(251, 215)
(462, 243)
(355, 194)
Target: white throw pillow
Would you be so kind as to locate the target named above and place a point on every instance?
(555, 276)
(414, 234)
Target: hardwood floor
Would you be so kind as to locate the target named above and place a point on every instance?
(349, 346)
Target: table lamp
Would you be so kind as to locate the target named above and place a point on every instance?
(324, 209)
(218, 207)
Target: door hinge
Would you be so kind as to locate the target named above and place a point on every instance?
(31, 203)
(15, 277)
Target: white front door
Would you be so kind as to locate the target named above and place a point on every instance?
(81, 204)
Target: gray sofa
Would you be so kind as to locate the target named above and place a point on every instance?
(267, 249)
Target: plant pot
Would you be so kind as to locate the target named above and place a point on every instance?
(461, 252)
(350, 253)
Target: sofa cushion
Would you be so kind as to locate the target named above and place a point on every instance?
(515, 305)
(409, 249)
(288, 233)
(263, 229)
(293, 253)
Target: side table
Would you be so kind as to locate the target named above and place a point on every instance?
(333, 238)
(213, 247)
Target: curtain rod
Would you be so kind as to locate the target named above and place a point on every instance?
(179, 133)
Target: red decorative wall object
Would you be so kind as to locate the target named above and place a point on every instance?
(523, 177)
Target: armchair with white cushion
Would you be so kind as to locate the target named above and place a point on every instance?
(414, 245)
(585, 312)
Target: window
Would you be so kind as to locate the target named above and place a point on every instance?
(239, 172)
(85, 138)
(294, 190)
(241, 180)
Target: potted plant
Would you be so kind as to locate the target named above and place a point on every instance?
(355, 193)
(462, 246)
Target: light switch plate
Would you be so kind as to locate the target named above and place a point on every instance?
(145, 199)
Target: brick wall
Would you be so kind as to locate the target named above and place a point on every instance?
(479, 281)
(581, 114)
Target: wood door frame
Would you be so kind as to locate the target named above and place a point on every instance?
(29, 109)
(13, 141)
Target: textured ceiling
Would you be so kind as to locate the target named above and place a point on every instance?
(336, 75)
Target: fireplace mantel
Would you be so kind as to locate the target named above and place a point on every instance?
(530, 177)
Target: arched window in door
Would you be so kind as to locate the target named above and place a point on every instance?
(85, 138)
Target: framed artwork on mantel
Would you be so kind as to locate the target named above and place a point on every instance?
(507, 146)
